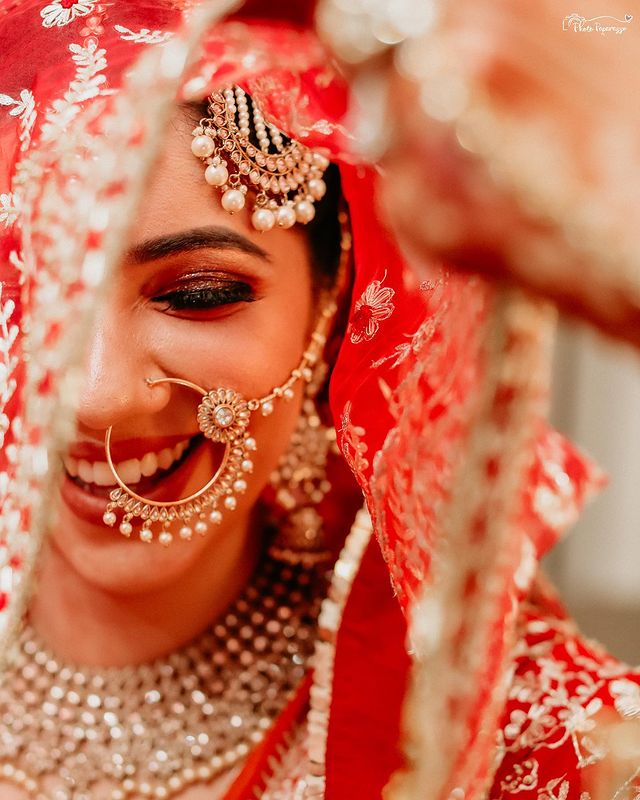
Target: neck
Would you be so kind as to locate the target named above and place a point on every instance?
(87, 625)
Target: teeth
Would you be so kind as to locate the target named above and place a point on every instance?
(102, 475)
(165, 458)
(72, 466)
(130, 471)
(85, 471)
(149, 464)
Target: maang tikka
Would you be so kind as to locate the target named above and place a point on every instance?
(243, 152)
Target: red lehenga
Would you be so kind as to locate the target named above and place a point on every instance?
(465, 484)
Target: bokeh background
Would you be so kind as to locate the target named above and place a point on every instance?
(596, 402)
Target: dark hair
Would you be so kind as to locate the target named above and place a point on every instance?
(324, 231)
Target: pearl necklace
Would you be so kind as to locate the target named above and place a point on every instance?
(153, 729)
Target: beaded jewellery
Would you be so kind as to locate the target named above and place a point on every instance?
(287, 185)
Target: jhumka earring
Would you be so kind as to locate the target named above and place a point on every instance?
(244, 152)
(224, 416)
(300, 483)
(300, 480)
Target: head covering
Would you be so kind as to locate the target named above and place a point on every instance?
(85, 91)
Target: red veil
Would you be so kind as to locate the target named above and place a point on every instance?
(465, 484)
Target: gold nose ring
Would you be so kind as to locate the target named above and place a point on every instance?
(223, 416)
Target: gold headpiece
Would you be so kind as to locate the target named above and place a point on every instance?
(243, 151)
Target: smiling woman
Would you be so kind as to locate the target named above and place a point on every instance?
(199, 295)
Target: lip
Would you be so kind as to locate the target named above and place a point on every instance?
(123, 449)
(91, 508)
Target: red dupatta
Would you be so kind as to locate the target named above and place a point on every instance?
(84, 81)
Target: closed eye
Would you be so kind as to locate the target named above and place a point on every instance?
(206, 297)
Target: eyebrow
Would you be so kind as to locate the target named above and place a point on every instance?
(209, 237)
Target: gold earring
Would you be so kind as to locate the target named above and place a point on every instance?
(300, 483)
(224, 416)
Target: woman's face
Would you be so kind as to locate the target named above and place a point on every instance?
(200, 295)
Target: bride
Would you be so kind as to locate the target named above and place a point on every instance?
(212, 324)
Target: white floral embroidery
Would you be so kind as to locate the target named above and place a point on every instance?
(8, 361)
(25, 109)
(8, 210)
(88, 82)
(62, 12)
(353, 448)
(523, 778)
(416, 342)
(16, 261)
(143, 36)
(549, 792)
(374, 306)
(626, 696)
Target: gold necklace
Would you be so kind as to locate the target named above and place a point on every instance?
(153, 729)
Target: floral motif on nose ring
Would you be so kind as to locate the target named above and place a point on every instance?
(223, 415)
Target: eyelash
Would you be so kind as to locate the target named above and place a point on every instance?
(206, 298)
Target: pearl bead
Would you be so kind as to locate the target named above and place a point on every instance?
(288, 393)
(263, 219)
(247, 465)
(305, 211)
(267, 408)
(109, 518)
(165, 538)
(215, 517)
(317, 188)
(216, 175)
(250, 443)
(322, 162)
(286, 216)
(126, 528)
(201, 528)
(233, 200)
(202, 146)
(230, 502)
(146, 535)
(240, 486)
(184, 533)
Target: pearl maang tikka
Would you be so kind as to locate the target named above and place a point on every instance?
(223, 416)
(286, 176)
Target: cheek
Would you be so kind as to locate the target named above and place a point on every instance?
(251, 351)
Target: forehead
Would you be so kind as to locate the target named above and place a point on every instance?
(177, 198)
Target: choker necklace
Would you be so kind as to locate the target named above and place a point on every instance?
(151, 730)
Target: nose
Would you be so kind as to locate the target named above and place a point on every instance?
(117, 363)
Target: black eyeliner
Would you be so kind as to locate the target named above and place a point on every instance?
(207, 297)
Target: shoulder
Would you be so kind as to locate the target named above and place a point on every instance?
(571, 726)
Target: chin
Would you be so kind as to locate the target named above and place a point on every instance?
(105, 559)
(101, 556)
